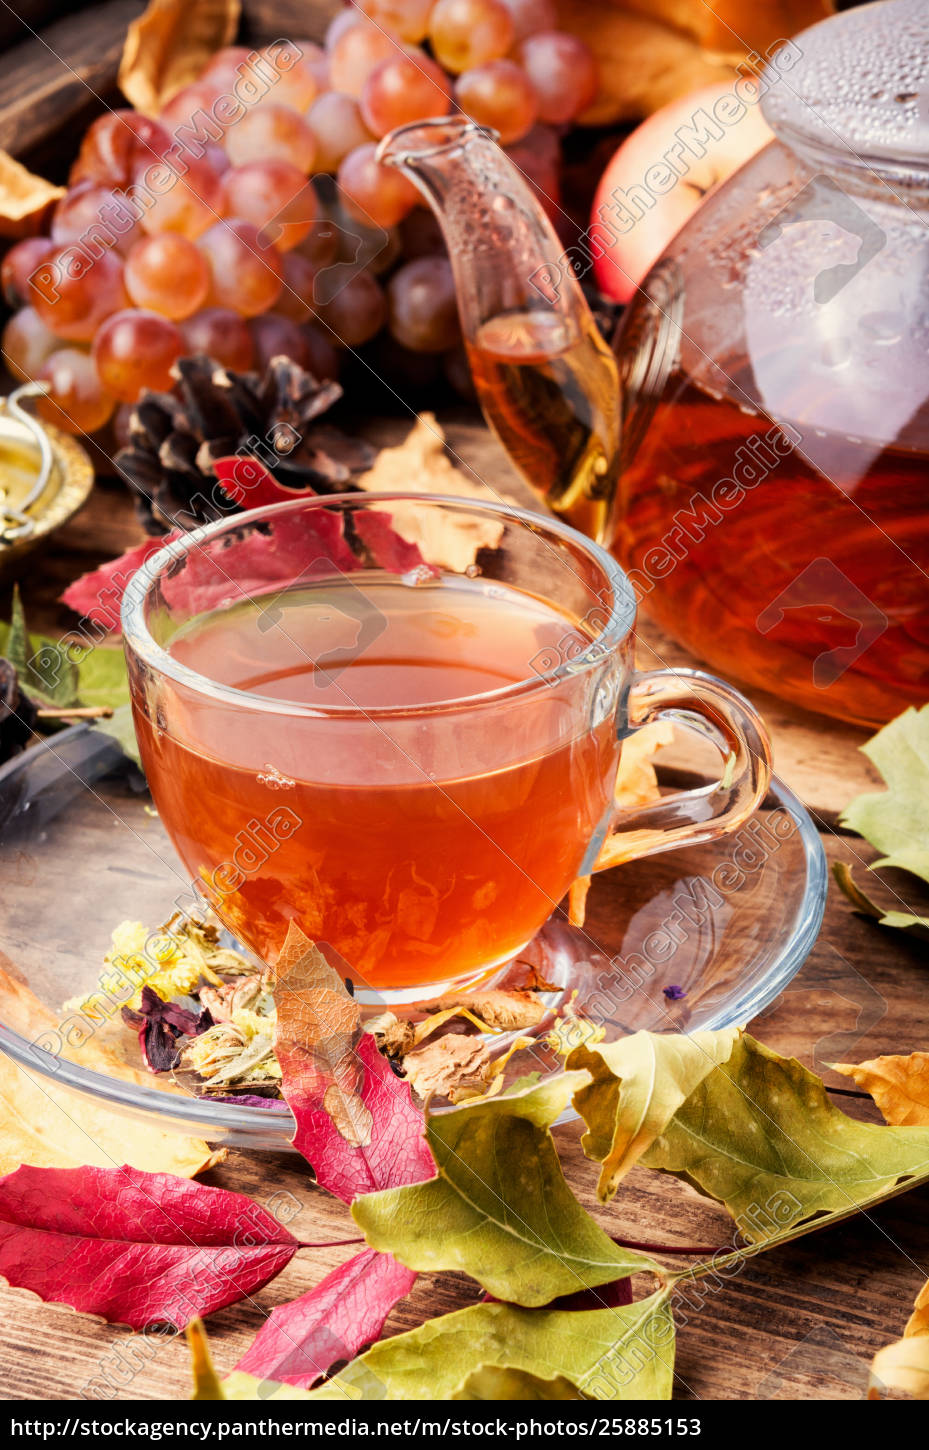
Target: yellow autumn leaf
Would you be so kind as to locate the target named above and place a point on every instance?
(649, 52)
(46, 1125)
(904, 1365)
(899, 1086)
(168, 46)
(24, 198)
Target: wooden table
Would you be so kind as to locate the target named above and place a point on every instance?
(801, 1322)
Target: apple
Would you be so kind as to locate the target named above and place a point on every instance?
(658, 177)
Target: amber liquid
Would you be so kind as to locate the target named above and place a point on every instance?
(811, 586)
(413, 880)
(549, 387)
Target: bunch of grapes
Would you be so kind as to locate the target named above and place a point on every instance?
(202, 232)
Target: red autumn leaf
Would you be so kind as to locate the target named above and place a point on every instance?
(249, 484)
(335, 1321)
(99, 594)
(356, 1123)
(388, 548)
(137, 1248)
(394, 1152)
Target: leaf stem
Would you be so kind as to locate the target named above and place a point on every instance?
(77, 712)
(329, 1243)
(647, 1248)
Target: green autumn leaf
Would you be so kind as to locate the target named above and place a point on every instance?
(500, 1209)
(45, 672)
(609, 1354)
(497, 1382)
(102, 677)
(760, 1135)
(638, 1085)
(896, 821)
(901, 919)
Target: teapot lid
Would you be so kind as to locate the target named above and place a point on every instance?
(859, 86)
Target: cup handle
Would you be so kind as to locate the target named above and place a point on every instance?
(716, 712)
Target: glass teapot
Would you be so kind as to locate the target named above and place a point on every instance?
(754, 443)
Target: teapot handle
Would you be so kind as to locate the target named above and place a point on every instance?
(716, 712)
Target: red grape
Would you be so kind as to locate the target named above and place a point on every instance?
(538, 157)
(466, 33)
(245, 275)
(356, 312)
(273, 196)
(378, 195)
(421, 235)
(321, 247)
(98, 217)
(187, 203)
(324, 360)
(422, 305)
(404, 89)
(18, 266)
(117, 146)
(77, 402)
(563, 73)
(225, 64)
(354, 55)
(73, 294)
(529, 16)
(296, 84)
(340, 23)
(197, 100)
(135, 350)
(501, 95)
(335, 121)
(276, 336)
(27, 342)
(296, 299)
(223, 335)
(272, 133)
(167, 274)
(408, 19)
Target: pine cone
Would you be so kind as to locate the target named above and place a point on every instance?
(211, 413)
(17, 712)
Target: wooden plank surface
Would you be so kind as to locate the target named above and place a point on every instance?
(802, 1322)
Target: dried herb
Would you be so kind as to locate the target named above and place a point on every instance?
(25, 200)
(168, 46)
(160, 1026)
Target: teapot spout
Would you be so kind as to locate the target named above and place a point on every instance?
(546, 380)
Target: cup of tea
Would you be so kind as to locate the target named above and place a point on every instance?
(396, 720)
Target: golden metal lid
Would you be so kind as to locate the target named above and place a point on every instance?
(45, 476)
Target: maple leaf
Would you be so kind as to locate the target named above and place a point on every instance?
(500, 1208)
(135, 1248)
(334, 1321)
(356, 1123)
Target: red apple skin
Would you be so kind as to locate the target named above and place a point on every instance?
(625, 261)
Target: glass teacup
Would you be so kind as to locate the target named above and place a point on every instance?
(396, 720)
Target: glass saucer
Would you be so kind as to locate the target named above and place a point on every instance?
(704, 937)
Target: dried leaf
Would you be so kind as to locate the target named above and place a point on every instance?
(496, 1382)
(896, 821)
(448, 1065)
(899, 1086)
(638, 1084)
(135, 1248)
(168, 46)
(636, 781)
(498, 1008)
(577, 900)
(45, 1125)
(649, 53)
(206, 1380)
(301, 1340)
(25, 199)
(356, 1123)
(500, 1209)
(421, 464)
(610, 1354)
(760, 1135)
(904, 1366)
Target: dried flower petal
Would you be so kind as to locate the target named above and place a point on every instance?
(168, 46)
(25, 199)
